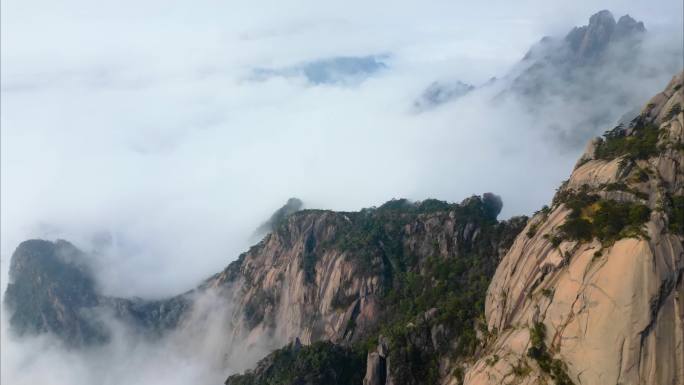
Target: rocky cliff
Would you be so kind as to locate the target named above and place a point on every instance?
(324, 275)
(592, 291)
(319, 275)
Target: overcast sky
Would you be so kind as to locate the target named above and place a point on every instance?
(141, 126)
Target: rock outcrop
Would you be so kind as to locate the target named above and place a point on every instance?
(592, 291)
(377, 365)
(290, 207)
(52, 290)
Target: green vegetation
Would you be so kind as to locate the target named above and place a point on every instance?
(521, 369)
(548, 293)
(375, 234)
(640, 175)
(592, 217)
(642, 143)
(532, 231)
(415, 278)
(309, 258)
(674, 208)
(491, 361)
(318, 363)
(544, 212)
(538, 351)
(456, 287)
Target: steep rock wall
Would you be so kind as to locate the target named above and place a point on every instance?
(604, 312)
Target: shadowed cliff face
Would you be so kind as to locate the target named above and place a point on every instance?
(591, 292)
(52, 290)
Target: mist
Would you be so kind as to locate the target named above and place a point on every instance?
(200, 350)
(140, 133)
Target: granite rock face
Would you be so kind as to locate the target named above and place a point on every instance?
(602, 311)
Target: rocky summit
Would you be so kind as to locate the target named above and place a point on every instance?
(591, 41)
(573, 85)
(579, 60)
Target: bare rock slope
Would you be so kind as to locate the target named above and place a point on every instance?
(592, 291)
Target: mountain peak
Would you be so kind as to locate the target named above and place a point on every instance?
(290, 207)
(627, 25)
(589, 42)
(52, 280)
(603, 17)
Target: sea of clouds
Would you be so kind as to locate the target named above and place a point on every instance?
(158, 135)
